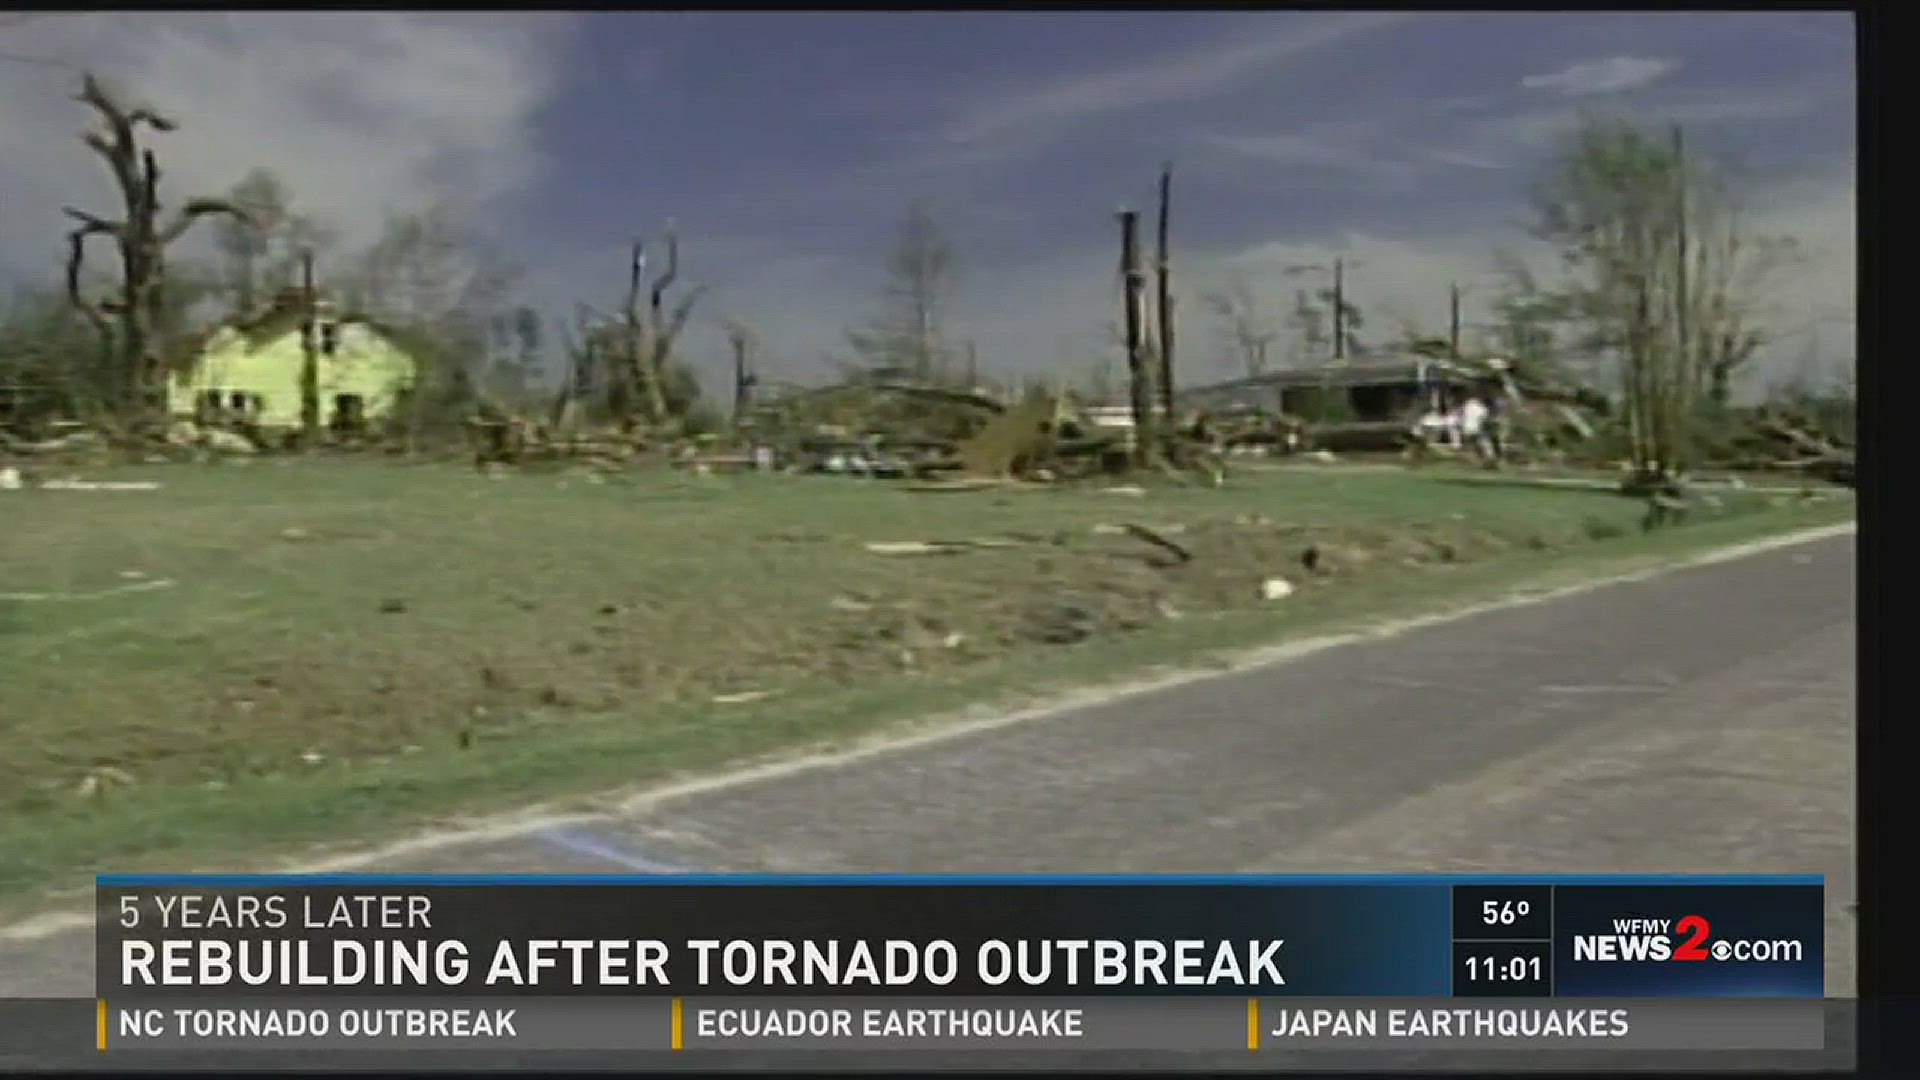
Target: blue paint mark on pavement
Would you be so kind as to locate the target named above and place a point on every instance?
(584, 843)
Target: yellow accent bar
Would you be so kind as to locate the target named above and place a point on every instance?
(1253, 1023)
(100, 1026)
(679, 1025)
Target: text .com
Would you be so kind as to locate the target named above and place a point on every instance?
(1688, 938)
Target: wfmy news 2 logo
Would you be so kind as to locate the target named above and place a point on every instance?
(1687, 939)
(1763, 938)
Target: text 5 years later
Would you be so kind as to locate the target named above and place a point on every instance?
(190, 911)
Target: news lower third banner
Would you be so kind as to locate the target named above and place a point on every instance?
(939, 963)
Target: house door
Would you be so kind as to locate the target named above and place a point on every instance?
(349, 414)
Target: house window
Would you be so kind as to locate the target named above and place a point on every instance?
(237, 401)
(1383, 402)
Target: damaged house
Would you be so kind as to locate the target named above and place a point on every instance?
(1357, 404)
(248, 372)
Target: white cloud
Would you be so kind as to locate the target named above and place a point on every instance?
(1465, 159)
(1296, 150)
(361, 113)
(1010, 119)
(1520, 137)
(1607, 76)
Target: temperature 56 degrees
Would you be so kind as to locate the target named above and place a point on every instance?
(1504, 912)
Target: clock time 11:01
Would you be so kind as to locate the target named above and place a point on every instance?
(1504, 968)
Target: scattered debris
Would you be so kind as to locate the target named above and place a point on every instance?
(1276, 589)
(71, 484)
(967, 483)
(913, 547)
(941, 547)
(97, 782)
(1061, 622)
(743, 697)
(134, 587)
(1159, 540)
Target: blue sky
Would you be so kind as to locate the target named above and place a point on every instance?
(789, 145)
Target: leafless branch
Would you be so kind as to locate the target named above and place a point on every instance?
(200, 207)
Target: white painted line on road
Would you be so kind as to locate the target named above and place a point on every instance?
(535, 819)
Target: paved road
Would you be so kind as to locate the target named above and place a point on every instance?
(1700, 721)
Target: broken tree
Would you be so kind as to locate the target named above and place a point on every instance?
(132, 325)
(740, 337)
(309, 351)
(647, 346)
(1134, 298)
(1164, 274)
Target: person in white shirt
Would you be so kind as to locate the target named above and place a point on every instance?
(1473, 425)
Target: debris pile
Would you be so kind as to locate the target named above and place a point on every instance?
(1771, 439)
(895, 428)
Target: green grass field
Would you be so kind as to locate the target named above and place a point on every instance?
(256, 658)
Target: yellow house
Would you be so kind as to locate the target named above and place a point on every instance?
(250, 371)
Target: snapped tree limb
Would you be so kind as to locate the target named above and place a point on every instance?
(197, 208)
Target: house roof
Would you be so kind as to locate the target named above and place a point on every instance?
(1342, 375)
(280, 315)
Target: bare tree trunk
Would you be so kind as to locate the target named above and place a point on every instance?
(654, 365)
(309, 352)
(1453, 321)
(743, 376)
(663, 330)
(627, 374)
(1134, 293)
(1165, 290)
(1686, 376)
(1339, 309)
(140, 307)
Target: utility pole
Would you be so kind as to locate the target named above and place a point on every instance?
(1133, 295)
(1165, 268)
(1339, 309)
(1453, 320)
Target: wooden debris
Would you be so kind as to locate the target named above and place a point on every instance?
(100, 485)
(1159, 540)
(941, 547)
(743, 697)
